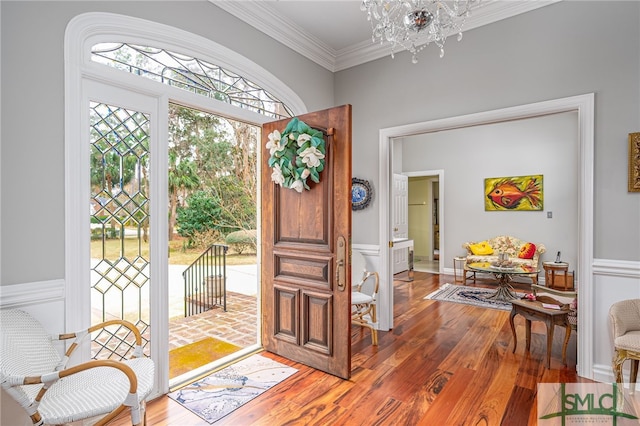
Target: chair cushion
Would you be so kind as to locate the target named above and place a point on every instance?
(359, 298)
(629, 341)
(94, 392)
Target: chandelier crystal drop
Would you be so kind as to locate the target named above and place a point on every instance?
(414, 24)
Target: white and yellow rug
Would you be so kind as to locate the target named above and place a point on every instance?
(224, 391)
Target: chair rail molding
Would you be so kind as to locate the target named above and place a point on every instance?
(617, 268)
(32, 294)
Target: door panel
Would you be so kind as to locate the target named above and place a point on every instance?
(400, 221)
(306, 314)
(400, 207)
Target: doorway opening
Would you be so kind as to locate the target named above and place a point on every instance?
(424, 229)
(583, 105)
(212, 237)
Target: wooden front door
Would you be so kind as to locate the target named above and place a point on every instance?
(306, 242)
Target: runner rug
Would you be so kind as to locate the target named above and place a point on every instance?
(470, 296)
(224, 391)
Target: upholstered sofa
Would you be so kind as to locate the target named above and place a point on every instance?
(518, 252)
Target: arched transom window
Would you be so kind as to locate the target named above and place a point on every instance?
(191, 74)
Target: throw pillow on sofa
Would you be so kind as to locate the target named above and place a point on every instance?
(481, 249)
(527, 251)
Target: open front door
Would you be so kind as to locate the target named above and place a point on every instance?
(306, 243)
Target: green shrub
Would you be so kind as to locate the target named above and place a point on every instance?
(242, 240)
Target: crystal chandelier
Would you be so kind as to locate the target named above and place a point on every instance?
(413, 24)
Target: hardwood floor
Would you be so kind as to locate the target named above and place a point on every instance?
(442, 364)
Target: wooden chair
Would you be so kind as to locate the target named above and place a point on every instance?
(624, 317)
(35, 375)
(364, 291)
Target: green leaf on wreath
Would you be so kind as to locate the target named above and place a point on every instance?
(320, 166)
(314, 175)
(316, 141)
(303, 128)
(292, 124)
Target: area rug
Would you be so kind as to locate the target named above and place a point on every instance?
(189, 357)
(469, 295)
(219, 394)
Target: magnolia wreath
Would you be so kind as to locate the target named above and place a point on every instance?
(296, 155)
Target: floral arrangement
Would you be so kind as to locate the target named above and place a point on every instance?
(296, 154)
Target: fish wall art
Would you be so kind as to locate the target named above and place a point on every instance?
(518, 193)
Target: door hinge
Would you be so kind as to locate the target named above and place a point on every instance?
(390, 244)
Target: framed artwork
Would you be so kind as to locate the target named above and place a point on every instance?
(517, 193)
(361, 193)
(634, 162)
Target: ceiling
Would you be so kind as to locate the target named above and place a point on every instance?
(336, 34)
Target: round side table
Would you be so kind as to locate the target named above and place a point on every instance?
(458, 266)
(559, 270)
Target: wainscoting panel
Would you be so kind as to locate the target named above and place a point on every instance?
(613, 280)
(44, 300)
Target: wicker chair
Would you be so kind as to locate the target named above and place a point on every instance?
(624, 317)
(363, 295)
(35, 375)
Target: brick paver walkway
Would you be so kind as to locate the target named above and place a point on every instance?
(237, 325)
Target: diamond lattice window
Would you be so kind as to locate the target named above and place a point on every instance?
(119, 208)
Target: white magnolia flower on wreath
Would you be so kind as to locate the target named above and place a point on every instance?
(276, 175)
(297, 185)
(305, 174)
(302, 138)
(311, 156)
(274, 142)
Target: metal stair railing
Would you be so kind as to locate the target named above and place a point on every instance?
(205, 281)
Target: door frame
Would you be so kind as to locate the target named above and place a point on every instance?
(584, 106)
(77, 258)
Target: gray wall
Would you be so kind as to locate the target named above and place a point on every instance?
(561, 50)
(32, 36)
(569, 48)
(546, 145)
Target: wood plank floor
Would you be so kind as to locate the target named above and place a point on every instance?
(442, 364)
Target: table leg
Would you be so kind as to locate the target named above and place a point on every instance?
(513, 328)
(567, 335)
(505, 291)
(550, 328)
(528, 329)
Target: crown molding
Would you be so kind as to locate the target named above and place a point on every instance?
(263, 17)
